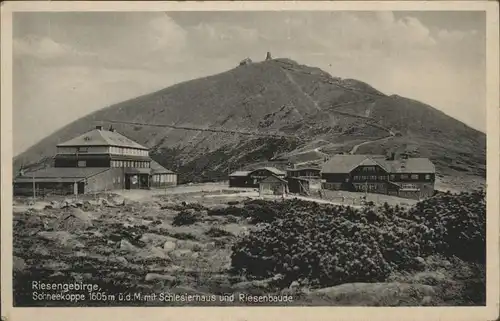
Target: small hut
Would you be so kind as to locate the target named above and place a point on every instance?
(273, 185)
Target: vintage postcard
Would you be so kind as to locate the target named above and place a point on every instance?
(250, 160)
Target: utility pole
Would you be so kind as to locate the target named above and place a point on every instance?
(34, 187)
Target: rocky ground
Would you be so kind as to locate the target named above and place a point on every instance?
(136, 246)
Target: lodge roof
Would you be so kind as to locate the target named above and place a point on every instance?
(303, 168)
(239, 174)
(101, 137)
(62, 174)
(346, 163)
(273, 170)
(156, 168)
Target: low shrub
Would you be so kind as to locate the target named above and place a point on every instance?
(186, 218)
(329, 245)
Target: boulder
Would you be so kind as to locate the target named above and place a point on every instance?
(55, 266)
(61, 238)
(18, 264)
(374, 294)
(160, 277)
(182, 253)
(152, 238)
(75, 220)
(190, 245)
(127, 246)
(169, 246)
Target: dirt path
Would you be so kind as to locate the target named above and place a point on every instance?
(320, 201)
(355, 148)
(314, 102)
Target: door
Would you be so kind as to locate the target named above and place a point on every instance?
(144, 184)
(81, 188)
(127, 181)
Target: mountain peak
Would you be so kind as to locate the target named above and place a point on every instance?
(253, 112)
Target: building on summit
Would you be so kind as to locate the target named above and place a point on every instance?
(98, 160)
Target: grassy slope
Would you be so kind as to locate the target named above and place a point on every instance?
(277, 95)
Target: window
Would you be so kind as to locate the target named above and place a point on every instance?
(414, 176)
(119, 179)
(374, 178)
(83, 149)
(382, 178)
(82, 163)
(427, 176)
(408, 186)
(404, 176)
(393, 177)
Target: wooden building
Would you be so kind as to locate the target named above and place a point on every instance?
(161, 177)
(255, 176)
(239, 179)
(97, 160)
(304, 180)
(397, 175)
(273, 185)
(251, 179)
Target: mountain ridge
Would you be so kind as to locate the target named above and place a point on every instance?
(278, 95)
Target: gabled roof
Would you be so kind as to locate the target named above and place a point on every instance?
(410, 165)
(156, 168)
(101, 137)
(346, 163)
(273, 170)
(303, 168)
(61, 173)
(239, 174)
(342, 163)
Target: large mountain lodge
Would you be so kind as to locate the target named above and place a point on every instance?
(396, 175)
(96, 161)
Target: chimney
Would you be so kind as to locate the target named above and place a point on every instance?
(268, 56)
(98, 127)
(111, 129)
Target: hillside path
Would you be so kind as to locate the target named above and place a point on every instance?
(355, 148)
(314, 102)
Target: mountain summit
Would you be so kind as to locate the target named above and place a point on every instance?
(290, 108)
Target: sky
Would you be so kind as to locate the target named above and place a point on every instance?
(69, 64)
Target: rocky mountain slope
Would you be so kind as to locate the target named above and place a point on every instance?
(293, 108)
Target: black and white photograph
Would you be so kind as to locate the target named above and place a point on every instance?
(250, 158)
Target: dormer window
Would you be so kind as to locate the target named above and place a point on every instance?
(86, 138)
